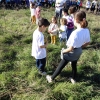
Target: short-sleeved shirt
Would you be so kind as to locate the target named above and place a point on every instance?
(31, 0)
(59, 4)
(32, 12)
(63, 34)
(78, 38)
(38, 40)
(88, 4)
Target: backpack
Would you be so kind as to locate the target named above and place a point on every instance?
(70, 23)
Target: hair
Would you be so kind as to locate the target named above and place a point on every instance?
(43, 22)
(65, 10)
(72, 9)
(55, 19)
(63, 21)
(33, 4)
(80, 17)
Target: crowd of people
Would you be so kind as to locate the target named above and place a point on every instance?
(93, 6)
(43, 3)
(68, 15)
(75, 39)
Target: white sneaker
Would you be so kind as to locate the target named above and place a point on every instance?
(48, 77)
(72, 80)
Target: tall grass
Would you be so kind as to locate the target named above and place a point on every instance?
(19, 78)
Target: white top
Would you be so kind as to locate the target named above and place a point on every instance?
(88, 4)
(63, 34)
(59, 4)
(95, 2)
(78, 38)
(31, 0)
(38, 40)
(32, 12)
(53, 28)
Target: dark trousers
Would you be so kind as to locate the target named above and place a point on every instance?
(40, 63)
(61, 65)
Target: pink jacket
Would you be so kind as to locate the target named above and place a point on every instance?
(38, 12)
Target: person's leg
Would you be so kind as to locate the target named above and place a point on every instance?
(51, 39)
(69, 31)
(59, 68)
(74, 69)
(40, 63)
(54, 39)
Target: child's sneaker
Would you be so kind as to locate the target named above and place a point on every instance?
(72, 80)
(42, 73)
(49, 79)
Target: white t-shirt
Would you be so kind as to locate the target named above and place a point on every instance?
(63, 34)
(32, 12)
(88, 4)
(78, 38)
(38, 40)
(59, 4)
(95, 2)
(31, 1)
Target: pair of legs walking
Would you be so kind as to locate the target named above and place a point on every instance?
(62, 64)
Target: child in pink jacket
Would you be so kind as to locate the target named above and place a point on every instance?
(38, 13)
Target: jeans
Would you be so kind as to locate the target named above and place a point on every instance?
(40, 63)
(69, 31)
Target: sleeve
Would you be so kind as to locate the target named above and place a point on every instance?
(88, 36)
(71, 40)
(41, 40)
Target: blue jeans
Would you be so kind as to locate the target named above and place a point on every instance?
(40, 63)
(59, 14)
(69, 31)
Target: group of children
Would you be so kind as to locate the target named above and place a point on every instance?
(93, 6)
(66, 26)
(10, 4)
(79, 38)
(35, 12)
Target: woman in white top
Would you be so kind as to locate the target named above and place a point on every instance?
(78, 39)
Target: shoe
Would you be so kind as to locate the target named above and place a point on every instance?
(72, 80)
(48, 77)
(42, 73)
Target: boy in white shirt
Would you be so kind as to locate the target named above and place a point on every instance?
(38, 45)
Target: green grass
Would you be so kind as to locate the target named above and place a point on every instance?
(19, 79)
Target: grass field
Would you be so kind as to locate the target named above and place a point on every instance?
(19, 79)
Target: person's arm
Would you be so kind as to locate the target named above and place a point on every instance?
(43, 46)
(68, 49)
(85, 44)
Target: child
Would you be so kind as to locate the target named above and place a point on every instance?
(79, 38)
(38, 13)
(53, 29)
(38, 46)
(62, 30)
(88, 5)
(33, 18)
(70, 20)
(30, 3)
